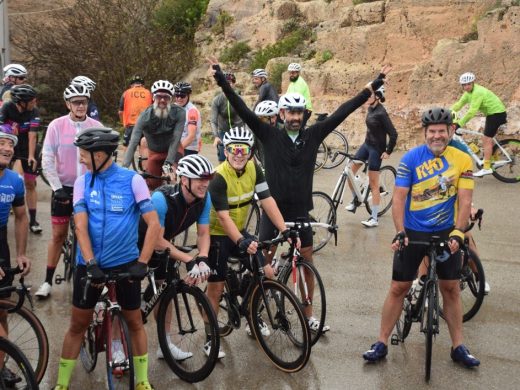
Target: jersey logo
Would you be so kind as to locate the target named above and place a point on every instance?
(428, 168)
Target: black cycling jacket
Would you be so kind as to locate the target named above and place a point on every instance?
(378, 126)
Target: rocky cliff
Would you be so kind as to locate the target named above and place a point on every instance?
(429, 44)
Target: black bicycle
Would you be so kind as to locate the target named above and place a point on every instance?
(16, 370)
(265, 302)
(68, 250)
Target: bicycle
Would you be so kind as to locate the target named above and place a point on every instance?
(25, 329)
(334, 142)
(185, 317)
(14, 361)
(98, 337)
(505, 158)
(68, 250)
(426, 309)
(325, 207)
(265, 302)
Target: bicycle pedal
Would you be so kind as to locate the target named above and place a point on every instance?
(394, 340)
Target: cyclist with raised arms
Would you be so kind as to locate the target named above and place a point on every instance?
(417, 218)
(162, 125)
(191, 135)
(24, 118)
(375, 149)
(108, 201)
(12, 195)
(236, 181)
(179, 206)
(60, 163)
(92, 109)
(290, 155)
(483, 100)
(14, 74)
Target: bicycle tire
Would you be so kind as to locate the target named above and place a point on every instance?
(404, 323)
(88, 351)
(28, 333)
(188, 331)
(319, 300)
(119, 376)
(387, 175)
(289, 328)
(17, 363)
(429, 328)
(323, 211)
(252, 225)
(39, 169)
(336, 142)
(321, 156)
(510, 172)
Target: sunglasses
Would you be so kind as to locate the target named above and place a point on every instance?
(236, 149)
(180, 95)
(21, 78)
(159, 96)
(78, 103)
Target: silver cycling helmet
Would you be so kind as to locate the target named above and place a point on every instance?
(15, 70)
(294, 67)
(12, 137)
(76, 90)
(163, 85)
(259, 73)
(238, 135)
(467, 78)
(84, 80)
(195, 166)
(266, 108)
(292, 101)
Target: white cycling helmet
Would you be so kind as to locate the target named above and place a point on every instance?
(238, 135)
(195, 166)
(380, 93)
(84, 80)
(467, 78)
(76, 90)
(12, 137)
(163, 85)
(259, 73)
(15, 70)
(292, 101)
(266, 108)
(294, 67)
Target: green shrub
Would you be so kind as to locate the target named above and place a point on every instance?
(235, 53)
(275, 76)
(325, 56)
(224, 19)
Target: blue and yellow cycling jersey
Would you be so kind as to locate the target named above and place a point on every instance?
(431, 204)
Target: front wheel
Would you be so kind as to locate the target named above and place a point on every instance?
(16, 362)
(321, 157)
(88, 351)
(387, 175)
(119, 361)
(185, 323)
(404, 323)
(323, 211)
(506, 162)
(336, 142)
(287, 344)
(430, 324)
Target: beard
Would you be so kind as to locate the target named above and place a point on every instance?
(161, 113)
(294, 78)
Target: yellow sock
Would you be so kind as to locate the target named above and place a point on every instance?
(65, 371)
(487, 164)
(141, 368)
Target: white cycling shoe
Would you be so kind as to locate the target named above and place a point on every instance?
(314, 325)
(177, 353)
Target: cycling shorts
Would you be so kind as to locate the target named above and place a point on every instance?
(128, 293)
(6, 263)
(493, 122)
(371, 154)
(127, 135)
(268, 231)
(405, 267)
(60, 211)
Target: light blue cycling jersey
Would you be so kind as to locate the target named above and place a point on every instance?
(12, 192)
(159, 202)
(113, 204)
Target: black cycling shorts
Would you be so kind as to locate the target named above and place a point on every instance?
(268, 231)
(372, 155)
(405, 267)
(61, 209)
(128, 293)
(493, 122)
(127, 135)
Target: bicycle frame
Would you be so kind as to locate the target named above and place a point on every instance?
(478, 161)
(360, 189)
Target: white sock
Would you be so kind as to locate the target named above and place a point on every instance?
(375, 210)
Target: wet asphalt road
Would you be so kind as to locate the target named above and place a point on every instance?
(356, 274)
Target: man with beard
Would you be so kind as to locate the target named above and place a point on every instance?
(298, 85)
(162, 125)
(290, 154)
(265, 90)
(417, 218)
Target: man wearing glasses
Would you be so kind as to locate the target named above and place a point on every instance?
(60, 163)
(190, 139)
(14, 74)
(162, 125)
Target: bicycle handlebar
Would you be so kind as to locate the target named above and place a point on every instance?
(21, 289)
(351, 156)
(112, 276)
(331, 228)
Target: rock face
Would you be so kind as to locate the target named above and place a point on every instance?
(427, 42)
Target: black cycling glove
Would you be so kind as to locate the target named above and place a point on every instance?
(138, 271)
(94, 272)
(219, 75)
(292, 234)
(243, 243)
(377, 83)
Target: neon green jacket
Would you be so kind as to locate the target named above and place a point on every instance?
(479, 99)
(301, 87)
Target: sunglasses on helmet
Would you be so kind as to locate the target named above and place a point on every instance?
(236, 149)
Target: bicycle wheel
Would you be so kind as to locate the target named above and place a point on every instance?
(311, 293)
(88, 351)
(27, 332)
(404, 323)
(321, 157)
(387, 176)
(430, 321)
(288, 346)
(186, 320)
(252, 225)
(323, 211)
(16, 362)
(503, 169)
(120, 372)
(336, 142)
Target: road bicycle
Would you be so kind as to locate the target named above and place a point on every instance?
(334, 142)
(68, 250)
(185, 318)
(426, 310)
(325, 207)
(107, 320)
(505, 160)
(21, 374)
(265, 302)
(24, 328)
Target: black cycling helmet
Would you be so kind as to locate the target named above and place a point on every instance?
(96, 139)
(230, 77)
(23, 93)
(436, 115)
(182, 87)
(136, 79)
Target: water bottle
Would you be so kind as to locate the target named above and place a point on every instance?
(99, 311)
(417, 287)
(474, 147)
